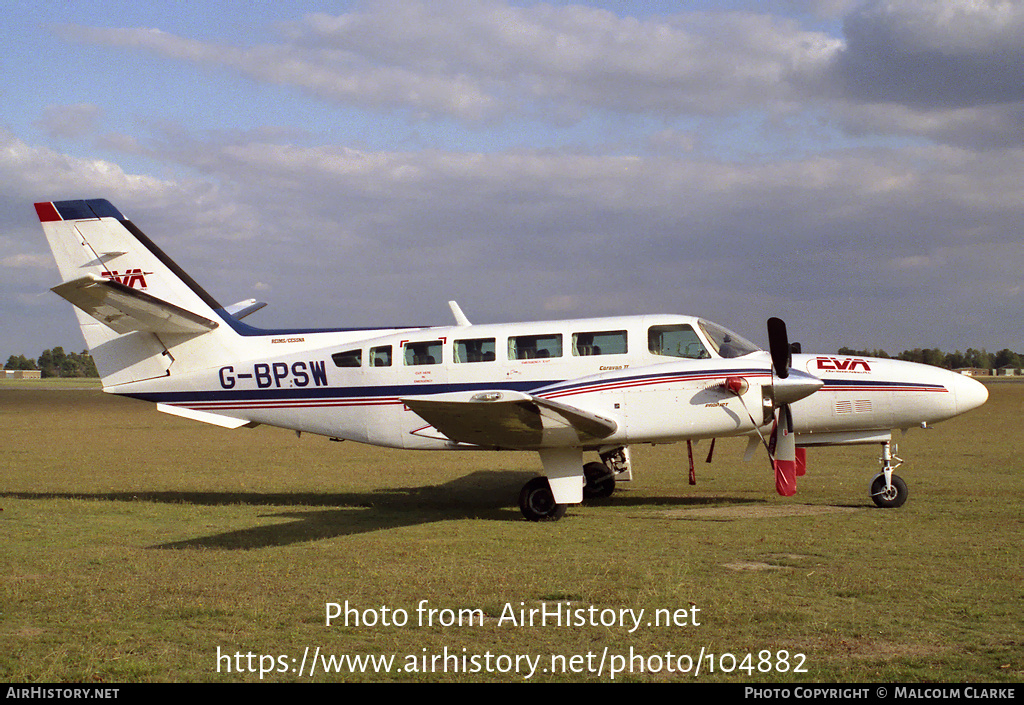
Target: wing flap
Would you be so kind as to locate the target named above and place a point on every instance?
(506, 419)
(125, 310)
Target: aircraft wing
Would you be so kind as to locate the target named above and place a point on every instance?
(126, 310)
(507, 419)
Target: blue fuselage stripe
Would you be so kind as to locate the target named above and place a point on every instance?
(541, 387)
(325, 393)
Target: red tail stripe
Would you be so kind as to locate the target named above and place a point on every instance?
(47, 212)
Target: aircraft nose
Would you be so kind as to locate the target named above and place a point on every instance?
(970, 393)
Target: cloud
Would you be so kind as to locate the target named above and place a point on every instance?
(27, 261)
(579, 56)
(70, 121)
(388, 236)
(188, 209)
(950, 71)
(989, 127)
(41, 173)
(336, 75)
(481, 60)
(817, 227)
(928, 54)
(848, 225)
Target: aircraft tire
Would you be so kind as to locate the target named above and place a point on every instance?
(599, 481)
(537, 502)
(895, 497)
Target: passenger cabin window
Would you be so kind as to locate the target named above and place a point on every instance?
(349, 358)
(475, 350)
(380, 356)
(423, 353)
(609, 342)
(529, 347)
(676, 341)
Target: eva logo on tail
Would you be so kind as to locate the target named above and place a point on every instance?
(135, 278)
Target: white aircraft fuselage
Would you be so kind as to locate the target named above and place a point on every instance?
(560, 388)
(291, 381)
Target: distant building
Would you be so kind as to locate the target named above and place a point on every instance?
(1008, 372)
(974, 371)
(21, 374)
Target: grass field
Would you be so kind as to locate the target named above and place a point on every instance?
(140, 547)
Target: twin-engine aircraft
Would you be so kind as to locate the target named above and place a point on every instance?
(559, 388)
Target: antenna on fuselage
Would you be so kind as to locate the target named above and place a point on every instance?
(460, 317)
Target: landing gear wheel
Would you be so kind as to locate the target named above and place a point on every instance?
(599, 481)
(537, 502)
(890, 497)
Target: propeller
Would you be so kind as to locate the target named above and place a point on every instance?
(788, 386)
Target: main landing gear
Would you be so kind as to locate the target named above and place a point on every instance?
(598, 481)
(537, 500)
(888, 490)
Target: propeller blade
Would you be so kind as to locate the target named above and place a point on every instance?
(778, 344)
(801, 462)
(784, 453)
(788, 386)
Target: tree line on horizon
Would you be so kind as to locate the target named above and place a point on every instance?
(56, 363)
(971, 358)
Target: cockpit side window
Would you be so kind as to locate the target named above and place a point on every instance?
(678, 340)
(725, 342)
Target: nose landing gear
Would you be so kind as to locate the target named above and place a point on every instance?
(887, 489)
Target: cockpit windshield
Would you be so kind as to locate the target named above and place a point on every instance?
(725, 342)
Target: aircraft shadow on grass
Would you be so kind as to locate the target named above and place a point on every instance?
(480, 495)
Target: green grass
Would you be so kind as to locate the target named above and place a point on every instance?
(135, 544)
(51, 383)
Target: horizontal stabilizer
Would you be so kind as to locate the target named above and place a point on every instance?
(204, 416)
(126, 310)
(507, 419)
(244, 308)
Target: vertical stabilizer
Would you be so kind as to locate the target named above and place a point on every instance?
(142, 317)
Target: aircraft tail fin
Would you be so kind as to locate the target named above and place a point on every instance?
(140, 314)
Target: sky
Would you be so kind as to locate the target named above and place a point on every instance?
(855, 168)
